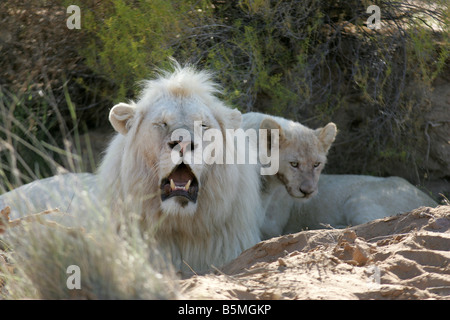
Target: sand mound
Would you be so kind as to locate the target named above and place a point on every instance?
(401, 257)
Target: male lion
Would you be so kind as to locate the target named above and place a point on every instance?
(302, 157)
(200, 214)
(203, 214)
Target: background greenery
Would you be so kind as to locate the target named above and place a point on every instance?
(313, 61)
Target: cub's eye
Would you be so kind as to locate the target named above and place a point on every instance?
(294, 164)
(316, 164)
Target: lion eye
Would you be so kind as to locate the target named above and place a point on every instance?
(294, 164)
(316, 164)
(160, 124)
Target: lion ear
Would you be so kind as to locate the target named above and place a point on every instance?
(228, 118)
(121, 116)
(327, 135)
(269, 123)
(235, 119)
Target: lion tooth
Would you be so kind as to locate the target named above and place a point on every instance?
(172, 184)
(186, 187)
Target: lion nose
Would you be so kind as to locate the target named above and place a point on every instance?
(183, 145)
(306, 188)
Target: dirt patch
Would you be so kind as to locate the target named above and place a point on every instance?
(401, 257)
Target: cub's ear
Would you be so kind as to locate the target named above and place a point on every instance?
(121, 116)
(235, 119)
(269, 123)
(227, 118)
(327, 135)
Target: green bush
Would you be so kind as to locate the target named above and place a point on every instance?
(316, 61)
(129, 39)
(297, 59)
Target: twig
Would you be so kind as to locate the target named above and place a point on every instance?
(6, 223)
(190, 268)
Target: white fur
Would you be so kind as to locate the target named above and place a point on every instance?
(297, 143)
(226, 218)
(348, 200)
(74, 195)
(339, 201)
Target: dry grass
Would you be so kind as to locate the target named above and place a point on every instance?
(113, 265)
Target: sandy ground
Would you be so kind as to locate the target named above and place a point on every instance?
(401, 257)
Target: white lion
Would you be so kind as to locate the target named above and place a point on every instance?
(202, 214)
(302, 157)
(295, 198)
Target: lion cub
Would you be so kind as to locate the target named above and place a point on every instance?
(340, 201)
(302, 157)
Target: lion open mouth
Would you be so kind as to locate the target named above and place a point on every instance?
(180, 183)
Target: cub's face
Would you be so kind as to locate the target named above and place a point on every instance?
(303, 154)
(168, 135)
